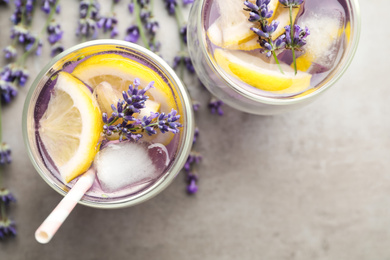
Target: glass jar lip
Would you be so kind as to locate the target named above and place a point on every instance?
(344, 63)
(185, 148)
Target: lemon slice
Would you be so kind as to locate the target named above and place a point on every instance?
(232, 28)
(70, 127)
(120, 72)
(260, 74)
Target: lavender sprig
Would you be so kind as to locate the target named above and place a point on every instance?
(259, 13)
(290, 35)
(193, 159)
(110, 23)
(7, 226)
(146, 26)
(89, 17)
(131, 128)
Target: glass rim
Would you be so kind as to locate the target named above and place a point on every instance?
(340, 70)
(188, 135)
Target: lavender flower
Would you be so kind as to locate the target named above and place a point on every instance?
(215, 106)
(192, 159)
(10, 52)
(170, 5)
(6, 196)
(178, 60)
(55, 32)
(109, 24)
(183, 33)
(293, 3)
(258, 11)
(7, 228)
(20, 76)
(4, 1)
(131, 7)
(7, 89)
(132, 34)
(187, 2)
(196, 135)
(192, 188)
(195, 105)
(48, 4)
(89, 16)
(131, 127)
(56, 49)
(299, 37)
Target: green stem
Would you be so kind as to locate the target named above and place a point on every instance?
(112, 6)
(292, 38)
(277, 62)
(137, 11)
(3, 215)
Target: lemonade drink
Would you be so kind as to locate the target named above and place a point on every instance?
(234, 65)
(64, 123)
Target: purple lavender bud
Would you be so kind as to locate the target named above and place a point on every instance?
(46, 6)
(252, 6)
(192, 188)
(176, 61)
(5, 154)
(260, 32)
(215, 106)
(131, 7)
(189, 65)
(6, 196)
(132, 34)
(187, 2)
(253, 17)
(292, 3)
(7, 228)
(196, 135)
(170, 5)
(10, 52)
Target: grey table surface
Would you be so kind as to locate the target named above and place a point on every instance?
(309, 184)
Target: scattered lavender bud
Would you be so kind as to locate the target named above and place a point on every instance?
(132, 34)
(170, 5)
(193, 158)
(183, 33)
(187, 2)
(196, 135)
(215, 106)
(7, 228)
(10, 52)
(56, 49)
(5, 154)
(131, 7)
(6, 196)
(195, 105)
(192, 188)
(55, 32)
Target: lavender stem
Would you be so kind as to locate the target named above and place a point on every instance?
(137, 12)
(292, 39)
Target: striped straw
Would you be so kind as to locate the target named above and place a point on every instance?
(53, 222)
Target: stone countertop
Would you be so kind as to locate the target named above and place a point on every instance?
(309, 184)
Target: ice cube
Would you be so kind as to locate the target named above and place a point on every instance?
(159, 154)
(122, 164)
(323, 43)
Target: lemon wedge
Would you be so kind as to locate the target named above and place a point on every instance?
(232, 28)
(120, 72)
(254, 71)
(70, 127)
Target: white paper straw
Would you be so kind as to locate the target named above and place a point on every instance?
(53, 222)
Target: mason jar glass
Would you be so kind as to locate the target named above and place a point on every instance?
(66, 61)
(244, 97)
